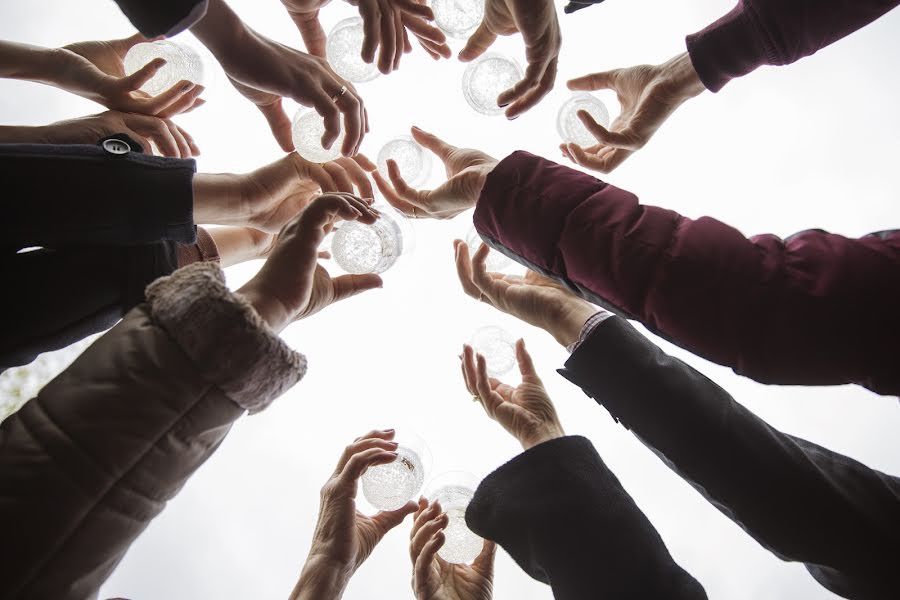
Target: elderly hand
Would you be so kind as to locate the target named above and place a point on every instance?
(169, 138)
(385, 22)
(95, 70)
(525, 411)
(291, 284)
(436, 579)
(649, 94)
(537, 21)
(467, 170)
(344, 537)
(535, 299)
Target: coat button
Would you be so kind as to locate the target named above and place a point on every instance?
(114, 146)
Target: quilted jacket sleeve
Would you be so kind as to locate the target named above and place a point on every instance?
(163, 17)
(87, 464)
(814, 309)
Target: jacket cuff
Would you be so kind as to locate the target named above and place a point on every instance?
(727, 49)
(205, 250)
(165, 18)
(224, 336)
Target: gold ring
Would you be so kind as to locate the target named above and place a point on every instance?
(476, 398)
(337, 96)
(414, 215)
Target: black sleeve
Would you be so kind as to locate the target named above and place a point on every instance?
(62, 296)
(574, 5)
(800, 501)
(566, 520)
(85, 195)
(162, 17)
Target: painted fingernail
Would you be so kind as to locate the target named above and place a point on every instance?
(186, 87)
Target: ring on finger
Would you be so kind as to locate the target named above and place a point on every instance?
(340, 93)
(476, 398)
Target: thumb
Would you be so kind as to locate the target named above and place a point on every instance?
(279, 123)
(478, 43)
(346, 286)
(388, 519)
(615, 139)
(432, 142)
(144, 74)
(311, 31)
(594, 81)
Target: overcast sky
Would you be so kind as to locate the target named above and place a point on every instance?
(811, 145)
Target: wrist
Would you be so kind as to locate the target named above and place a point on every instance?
(321, 578)
(550, 432)
(218, 199)
(566, 328)
(681, 73)
(266, 304)
(24, 134)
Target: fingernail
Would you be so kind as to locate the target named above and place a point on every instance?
(416, 128)
(388, 430)
(394, 444)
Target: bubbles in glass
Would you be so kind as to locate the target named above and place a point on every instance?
(570, 127)
(457, 18)
(413, 160)
(182, 63)
(343, 49)
(307, 130)
(486, 78)
(498, 348)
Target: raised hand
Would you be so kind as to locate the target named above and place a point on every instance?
(96, 71)
(436, 579)
(386, 23)
(169, 138)
(466, 169)
(535, 299)
(537, 22)
(525, 411)
(291, 284)
(649, 94)
(344, 537)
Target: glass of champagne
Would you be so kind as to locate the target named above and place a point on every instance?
(390, 486)
(359, 248)
(454, 490)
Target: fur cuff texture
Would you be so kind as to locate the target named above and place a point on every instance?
(230, 344)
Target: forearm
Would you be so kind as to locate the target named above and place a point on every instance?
(24, 134)
(235, 245)
(217, 199)
(28, 62)
(319, 580)
(222, 31)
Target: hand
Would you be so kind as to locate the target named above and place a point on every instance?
(344, 537)
(291, 284)
(525, 411)
(240, 244)
(436, 579)
(536, 20)
(467, 170)
(386, 23)
(96, 71)
(535, 299)
(169, 138)
(649, 94)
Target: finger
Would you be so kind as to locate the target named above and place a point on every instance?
(469, 370)
(384, 434)
(594, 81)
(371, 16)
(407, 46)
(159, 103)
(144, 142)
(426, 514)
(406, 192)
(329, 111)
(311, 32)
(624, 139)
(361, 461)
(340, 177)
(391, 196)
(388, 38)
(478, 43)
(426, 533)
(363, 161)
(358, 176)
(422, 565)
(484, 562)
(533, 96)
(388, 519)
(183, 104)
(351, 285)
(195, 150)
(197, 104)
(429, 50)
(351, 105)
(464, 271)
(145, 74)
(279, 123)
(183, 147)
(373, 439)
(433, 143)
(482, 381)
(162, 137)
(414, 8)
(124, 45)
(526, 365)
(401, 40)
(590, 161)
(479, 269)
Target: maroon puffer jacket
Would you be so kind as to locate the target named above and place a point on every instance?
(815, 309)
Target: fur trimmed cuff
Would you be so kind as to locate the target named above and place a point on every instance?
(223, 335)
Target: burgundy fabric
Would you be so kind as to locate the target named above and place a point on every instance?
(775, 32)
(815, 309)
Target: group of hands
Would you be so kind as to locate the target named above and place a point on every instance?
(265, 72)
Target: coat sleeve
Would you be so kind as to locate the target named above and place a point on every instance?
(775, 32)
(566, 520)
(84, 195)
(162, 17)
(799, 500)
(814, 309)
(87, 464)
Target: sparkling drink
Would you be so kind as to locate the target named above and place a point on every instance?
(457, 18)
(343, 48)
(412, 159)
(570, 127)
(498, 348)
(182, 63)
(495, 261)
(454, 490)
(390, 486)
(359, 248)
(307, 130)
(486, 78)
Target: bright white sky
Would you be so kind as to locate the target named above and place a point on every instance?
(811, 145)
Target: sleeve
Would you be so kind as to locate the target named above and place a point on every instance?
(566, 520)
(813, 309)
(86, 195)
(775, 32)
(799, 500)
(162, 17)
(87, 464)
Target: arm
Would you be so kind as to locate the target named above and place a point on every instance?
(163, 18)
(775, 32)
(836, 515)
(774, 310)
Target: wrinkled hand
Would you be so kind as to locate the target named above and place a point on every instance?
(96, 71)
(466, 169)
(525, 411)
(169, 138)
(436, 579)
(385, 23)
(344, 537)
(291, 285)
(275, 193)
(649, 94)
(539, 26)
(535, 299)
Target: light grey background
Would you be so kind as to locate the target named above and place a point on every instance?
(811, 145)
